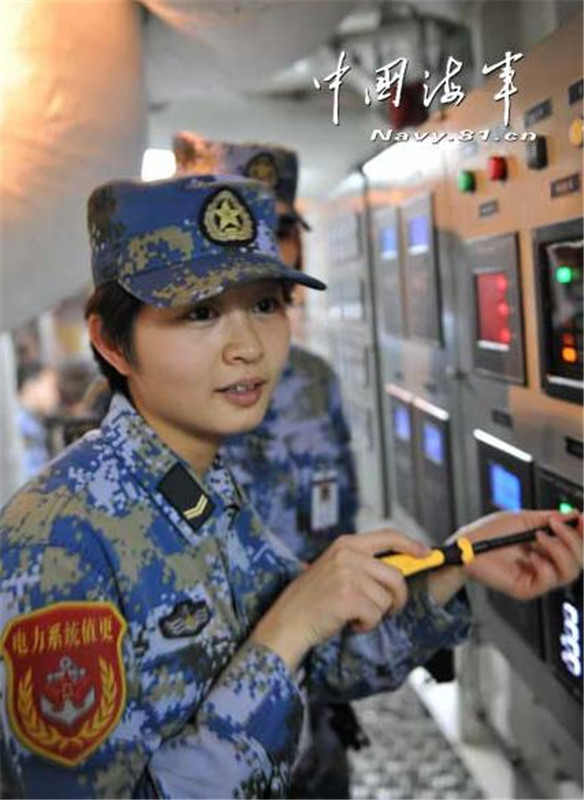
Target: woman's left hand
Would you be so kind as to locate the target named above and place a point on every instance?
(526, 571)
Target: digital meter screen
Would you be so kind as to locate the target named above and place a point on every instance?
(565, 615)
(505, 487)
(570, 639)
(433, 443)
(401, 423)
(493, 308)
(418, 234)
(388, 242)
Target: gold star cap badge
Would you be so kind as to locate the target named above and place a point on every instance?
(263, 168)
(226, 219)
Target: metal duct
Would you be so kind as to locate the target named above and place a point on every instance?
(206, 47)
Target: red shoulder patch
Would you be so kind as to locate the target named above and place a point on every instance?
(66, 680)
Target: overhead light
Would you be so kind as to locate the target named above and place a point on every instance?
(158, 164)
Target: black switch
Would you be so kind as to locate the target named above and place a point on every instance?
(537, 157)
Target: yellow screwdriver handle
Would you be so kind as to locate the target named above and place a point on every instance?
(459, 552)
(409, 565)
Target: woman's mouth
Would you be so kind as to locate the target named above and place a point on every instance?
(244, 393)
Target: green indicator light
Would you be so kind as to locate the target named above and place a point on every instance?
(466, 181)
(565, 507)
(564, 274)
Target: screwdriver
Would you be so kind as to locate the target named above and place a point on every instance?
(462, 551)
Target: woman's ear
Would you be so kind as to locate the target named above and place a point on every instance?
(106, 348)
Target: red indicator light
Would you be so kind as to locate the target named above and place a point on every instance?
(569, 354)
(497, 168)
(568, 338)
(494, 310)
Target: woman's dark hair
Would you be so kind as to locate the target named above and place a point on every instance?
(117, 310)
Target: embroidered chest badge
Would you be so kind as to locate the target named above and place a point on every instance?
(187, 618)
(66, 680)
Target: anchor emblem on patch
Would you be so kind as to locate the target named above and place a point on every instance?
(226, 219)
(67, 693)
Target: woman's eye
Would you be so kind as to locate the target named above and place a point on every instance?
(201, 314)
(267, 305)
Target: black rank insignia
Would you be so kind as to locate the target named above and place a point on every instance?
(186, 496)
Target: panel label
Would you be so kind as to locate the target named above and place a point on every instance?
(502, 417)
(564, 186)
(488, 209)
(538, 112)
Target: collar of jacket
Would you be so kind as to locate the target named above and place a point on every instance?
(150, 460)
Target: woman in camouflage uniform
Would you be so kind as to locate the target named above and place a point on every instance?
(156, 640)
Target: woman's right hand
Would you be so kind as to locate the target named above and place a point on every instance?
(347, 584)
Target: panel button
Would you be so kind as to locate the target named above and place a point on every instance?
(537, 157)
(466, 181)
(497, 168)
(576, 132)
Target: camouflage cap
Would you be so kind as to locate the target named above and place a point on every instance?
(275, 166)
(178, 241)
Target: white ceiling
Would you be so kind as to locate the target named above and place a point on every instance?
(75, 110)
(236, 71)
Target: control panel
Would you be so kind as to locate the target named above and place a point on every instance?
(506, 478)
(563, 610)
(558, 265)
(351, 323)
(401, 423)
(422, 283)
(434, 470)
(476, 286)
(498, 339)
(386, 254)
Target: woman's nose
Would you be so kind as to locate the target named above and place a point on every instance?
(243, 342)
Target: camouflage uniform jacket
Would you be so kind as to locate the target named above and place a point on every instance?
(301, 450)
(129, 589)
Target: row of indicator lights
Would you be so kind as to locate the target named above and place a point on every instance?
(497, 165)
(569, 351)
(537, 158)
(566, 275)
(496, 170)
(503, 310)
